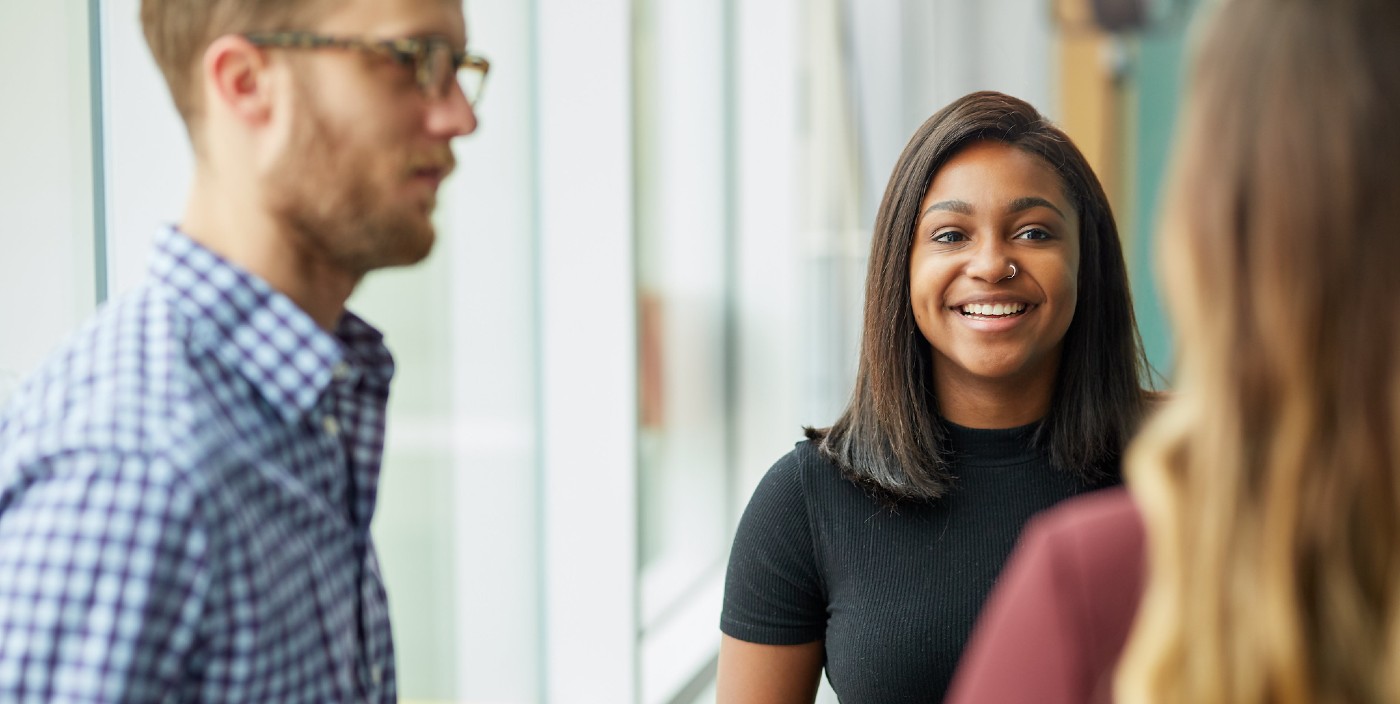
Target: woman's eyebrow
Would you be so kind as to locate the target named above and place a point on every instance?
(1028, 202)
(1023, 203)
(954, 206)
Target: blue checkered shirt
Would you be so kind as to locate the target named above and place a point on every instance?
(186, 489)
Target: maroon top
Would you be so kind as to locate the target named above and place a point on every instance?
(1053, 627)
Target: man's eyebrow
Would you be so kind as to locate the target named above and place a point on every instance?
(1028, 202)
(954, 206)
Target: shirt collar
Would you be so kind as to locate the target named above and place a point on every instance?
(995, 447)
(265, 337)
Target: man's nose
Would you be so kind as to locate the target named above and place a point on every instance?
(452, 115)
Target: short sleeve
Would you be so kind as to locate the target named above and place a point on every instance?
(773, 592)
(105, 579)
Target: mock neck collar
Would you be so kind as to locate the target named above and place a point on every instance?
(993, 447)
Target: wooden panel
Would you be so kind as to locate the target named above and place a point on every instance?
(1091, 97)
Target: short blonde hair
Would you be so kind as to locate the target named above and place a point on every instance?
(179, 31)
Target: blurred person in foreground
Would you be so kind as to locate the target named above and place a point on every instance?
(1264, 501)
(1000, 373)
(186, 486)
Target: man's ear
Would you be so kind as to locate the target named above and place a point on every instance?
(238, 79)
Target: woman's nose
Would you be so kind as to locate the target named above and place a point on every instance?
(990, 263)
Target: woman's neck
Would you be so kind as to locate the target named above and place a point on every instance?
(994, 403)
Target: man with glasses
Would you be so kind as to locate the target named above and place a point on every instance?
(186, 486)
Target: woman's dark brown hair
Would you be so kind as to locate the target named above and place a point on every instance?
(891, 437)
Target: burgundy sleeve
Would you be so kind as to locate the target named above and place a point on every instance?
(1053, 627)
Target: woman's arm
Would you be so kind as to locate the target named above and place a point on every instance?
(774, 615)
(768, 674)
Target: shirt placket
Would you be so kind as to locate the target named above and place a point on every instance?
(346, 399)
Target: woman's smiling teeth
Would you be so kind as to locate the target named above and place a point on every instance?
(990, 310)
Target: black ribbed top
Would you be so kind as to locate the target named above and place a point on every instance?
(893, 592)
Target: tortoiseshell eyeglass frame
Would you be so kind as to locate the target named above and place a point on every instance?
(432, 58)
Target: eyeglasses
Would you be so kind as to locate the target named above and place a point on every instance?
(434, 62)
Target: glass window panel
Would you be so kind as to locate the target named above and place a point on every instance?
(414, 518)
(47, 272)
(682, 282)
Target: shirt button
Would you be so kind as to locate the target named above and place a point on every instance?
(341, 371)
(331, 425)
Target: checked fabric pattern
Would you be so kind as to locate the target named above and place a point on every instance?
(186, 490)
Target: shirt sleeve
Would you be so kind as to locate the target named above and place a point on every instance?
(773, 592)
(105, 579)
(1053, 627)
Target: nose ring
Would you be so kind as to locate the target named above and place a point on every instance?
(1012, 276)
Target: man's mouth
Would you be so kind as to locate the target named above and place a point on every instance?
(993, 310)
(436, 173)
(435, 167)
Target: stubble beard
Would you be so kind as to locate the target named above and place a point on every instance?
(324, 189)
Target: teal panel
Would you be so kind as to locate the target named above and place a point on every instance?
(1158, 76)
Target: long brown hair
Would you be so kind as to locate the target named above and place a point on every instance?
(1270, 483)
(891, 438)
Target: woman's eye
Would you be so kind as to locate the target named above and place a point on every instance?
(949, 236)
(1034, 233)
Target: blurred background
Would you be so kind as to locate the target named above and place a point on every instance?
(648, 278)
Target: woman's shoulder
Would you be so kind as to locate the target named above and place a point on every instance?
(803, 463)
(1055, 624)
(1098, 534)
(1085, 559)
(1113, 506)
(806, 476)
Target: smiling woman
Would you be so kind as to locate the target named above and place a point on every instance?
(1000, 373)
(995, 328)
